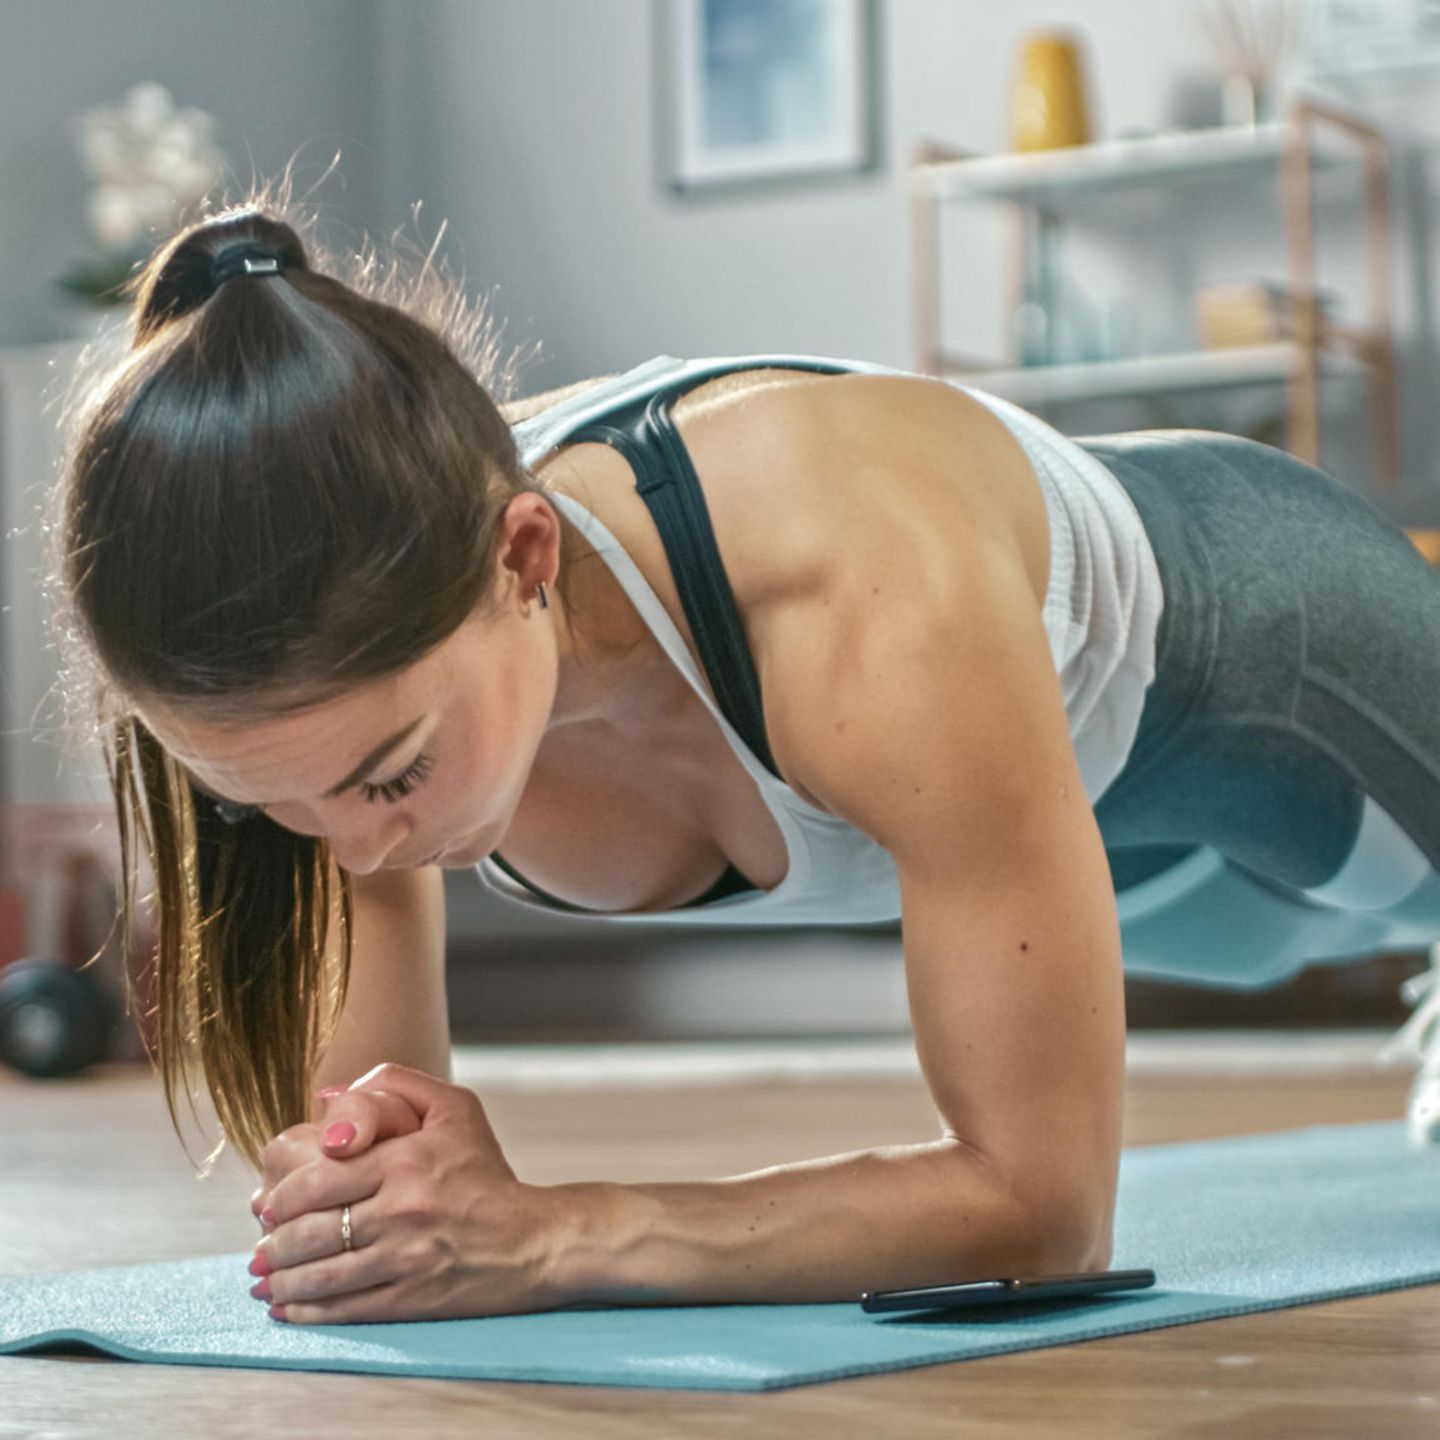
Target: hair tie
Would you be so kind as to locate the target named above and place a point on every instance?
(246, 258)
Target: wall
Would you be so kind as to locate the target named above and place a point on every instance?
(280, 78)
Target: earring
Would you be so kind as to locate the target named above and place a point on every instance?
(233, 814)
(544, 603)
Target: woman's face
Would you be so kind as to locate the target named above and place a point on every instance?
(426, 765)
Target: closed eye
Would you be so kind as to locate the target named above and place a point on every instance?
(392, 790)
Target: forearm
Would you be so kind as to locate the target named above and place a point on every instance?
(821, 1230)
(395, 1008)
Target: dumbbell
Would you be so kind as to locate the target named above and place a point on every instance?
(54, 1020)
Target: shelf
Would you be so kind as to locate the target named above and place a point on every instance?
(1179, 156)
(1148, 374)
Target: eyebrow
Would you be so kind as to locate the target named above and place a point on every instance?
(359, 773)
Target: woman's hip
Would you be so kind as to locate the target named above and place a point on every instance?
(1297, 656)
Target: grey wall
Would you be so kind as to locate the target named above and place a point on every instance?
(283, 79)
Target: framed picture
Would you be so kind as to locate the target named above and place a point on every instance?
(759, 92)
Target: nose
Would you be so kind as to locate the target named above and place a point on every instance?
(359, 845)
(363, 849)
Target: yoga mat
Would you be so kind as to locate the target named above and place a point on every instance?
(1229, 1226)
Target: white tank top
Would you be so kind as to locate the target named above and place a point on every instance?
(1102, 607)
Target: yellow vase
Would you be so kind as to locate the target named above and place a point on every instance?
(1048, 109)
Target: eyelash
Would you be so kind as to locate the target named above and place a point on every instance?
(392, 790)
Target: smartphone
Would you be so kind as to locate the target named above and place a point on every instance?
(999, 1292)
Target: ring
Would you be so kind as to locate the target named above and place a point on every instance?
(345, 1228)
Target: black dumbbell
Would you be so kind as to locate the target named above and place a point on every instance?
(53, 1020)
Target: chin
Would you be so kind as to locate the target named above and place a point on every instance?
(459, 856)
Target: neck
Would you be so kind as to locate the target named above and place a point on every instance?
(611, 667)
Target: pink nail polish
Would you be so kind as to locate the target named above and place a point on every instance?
(277, 1312)
(267, 1218)
(340, 1134)
(261, 1288)
(329, 1092)
(261, 1265)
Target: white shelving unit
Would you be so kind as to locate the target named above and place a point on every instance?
(1039, 185)
(1154, 374)
(1234, 152)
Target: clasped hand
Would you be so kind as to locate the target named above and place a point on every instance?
(440, 1226)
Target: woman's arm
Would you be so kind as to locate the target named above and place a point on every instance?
(935, 724)
(395, 1008)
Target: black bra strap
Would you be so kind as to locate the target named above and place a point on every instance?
(665, 479)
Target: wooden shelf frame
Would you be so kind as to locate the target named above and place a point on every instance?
(1314, 133)
(1373, 344)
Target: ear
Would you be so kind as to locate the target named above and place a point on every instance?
(528, 543)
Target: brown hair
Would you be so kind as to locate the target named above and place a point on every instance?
(287, 486)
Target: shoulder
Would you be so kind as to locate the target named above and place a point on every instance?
(889, 528)
(515, 412)
(808, 475)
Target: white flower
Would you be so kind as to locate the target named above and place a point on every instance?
(147, 107)
(113, 216)
(102, 147)
(151, 161)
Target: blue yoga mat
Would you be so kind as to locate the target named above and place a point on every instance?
(1229, 1226)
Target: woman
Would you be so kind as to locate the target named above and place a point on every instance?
(754, 641)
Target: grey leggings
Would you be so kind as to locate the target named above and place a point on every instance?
(1297, 668)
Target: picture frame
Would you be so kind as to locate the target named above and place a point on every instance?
(760, 93)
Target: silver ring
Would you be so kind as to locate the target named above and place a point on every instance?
(345, 1229)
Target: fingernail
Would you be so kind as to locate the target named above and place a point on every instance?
(340, 1134)
(277, 1312)
(267, 1218)
(329, 1092)
(261, 1288)
(260, 1265)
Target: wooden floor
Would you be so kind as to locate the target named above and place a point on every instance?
(91, 1175)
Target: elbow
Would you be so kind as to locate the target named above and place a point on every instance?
(1068, 1234)
(1042, 1229)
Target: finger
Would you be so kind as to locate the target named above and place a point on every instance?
(259, 1199)
(357, 1308)
(318, 1235)
(285, 1153)
(325, 1184)
(359, 1119)
(332, 1277)
(425, 1092)
(435, 1101)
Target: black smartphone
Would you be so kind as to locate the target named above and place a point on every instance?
(999, 1292)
